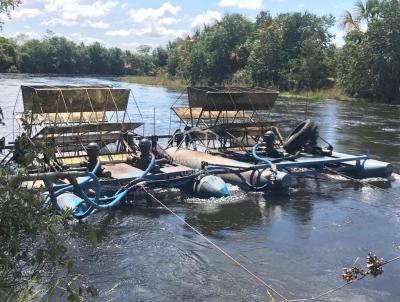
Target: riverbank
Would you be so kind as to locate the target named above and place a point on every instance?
(334, 93)
(159, 80)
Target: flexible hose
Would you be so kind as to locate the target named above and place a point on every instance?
(66, 188)
(108, 202)
(264, 160)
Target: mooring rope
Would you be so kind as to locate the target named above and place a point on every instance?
(253, 275)
(335, 289)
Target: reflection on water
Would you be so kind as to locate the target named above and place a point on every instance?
(298, 242)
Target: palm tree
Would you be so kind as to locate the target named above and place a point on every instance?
(348, 22)
(363, 12)
(367, 11)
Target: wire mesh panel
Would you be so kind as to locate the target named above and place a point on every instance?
(232, 98)
(64, 99)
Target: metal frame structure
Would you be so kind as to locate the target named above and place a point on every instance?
(67, 118)
(230, 121)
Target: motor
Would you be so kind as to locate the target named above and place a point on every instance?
(269, 139)
(93, 152)
(145, 147)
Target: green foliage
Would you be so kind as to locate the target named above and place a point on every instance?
(28, 247)
(6, 6)
(160, 57)
(369, 10)
(217, 52)
(369, 63)
(8, 55)
(290, 51)
(58, 55)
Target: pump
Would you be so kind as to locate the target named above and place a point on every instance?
(269, 142)
(93, 151)
(145, 147)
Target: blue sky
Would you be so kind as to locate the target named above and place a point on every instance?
(128, 24)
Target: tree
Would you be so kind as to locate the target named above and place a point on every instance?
(369, 10)
(98, 58)
(8, 55)
(369, 63)
(116, 62)
(290, 51)
(348, 22)
(216, 52)
(160, 57)
(6, 6)
(363, 13)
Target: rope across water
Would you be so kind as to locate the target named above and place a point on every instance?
(258, 279)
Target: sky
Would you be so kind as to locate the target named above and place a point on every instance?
(128, 24)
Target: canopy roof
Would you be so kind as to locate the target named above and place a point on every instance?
(66, 99)
(231, 98)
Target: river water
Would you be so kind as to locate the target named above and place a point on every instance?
(297, 242)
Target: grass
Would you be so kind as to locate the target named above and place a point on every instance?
(158, 80)
(335, 93)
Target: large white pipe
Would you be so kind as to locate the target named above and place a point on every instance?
(257, 177)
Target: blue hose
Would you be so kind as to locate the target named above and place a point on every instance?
(151, 166)
(119, 196)
(264, 160)
(97, 202)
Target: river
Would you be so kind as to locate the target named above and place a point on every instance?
(297, 242)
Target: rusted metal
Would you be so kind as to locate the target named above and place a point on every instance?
(122, 171)
(65, 99)
(255, 176)
(184, 114)
(72, 117)
(231, 98)
(85, 128)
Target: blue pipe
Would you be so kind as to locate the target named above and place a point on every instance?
(66, 188)
(264, 160)
(110, 201)
(119, 196)
(151, 166)
(85, 181)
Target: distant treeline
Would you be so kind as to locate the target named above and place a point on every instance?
(291, 51)
(57, 55)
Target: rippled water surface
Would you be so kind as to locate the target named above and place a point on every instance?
(298, 242)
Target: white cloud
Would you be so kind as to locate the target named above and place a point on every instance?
(209, 18)
(119, 33)
(153, 22)
(364, 27)
(74, 13)
(338, 39)
(129, 45)
(167, 10)
(243, 4)
(77, 37)
(25, 13)
(149, 31)
(22, 37)
(160, 31)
